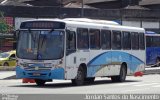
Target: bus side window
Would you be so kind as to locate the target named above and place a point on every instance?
(105, 39)
(149, 41)
(156, 41)
(94, 35)
(135, 41)
(82, 38)
(116, 40)
(141, 41)
(71, 40)
(126, 41)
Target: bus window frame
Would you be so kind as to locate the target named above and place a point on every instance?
(110, 41)
(128, 48)
(81, 40)
(120, 32)
(99, 32)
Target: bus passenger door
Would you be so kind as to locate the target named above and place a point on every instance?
(70, 55)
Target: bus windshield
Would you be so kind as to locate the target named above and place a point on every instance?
(40, 45)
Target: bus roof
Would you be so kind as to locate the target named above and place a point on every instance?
(151, 33)
(91, 21)
(85, 22)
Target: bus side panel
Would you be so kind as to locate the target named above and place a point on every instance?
(109, 63)
(74, 60)
(151, 54)
(157, 50)
(138, 61)
(57, 73)
(71, 66)
(97, 63)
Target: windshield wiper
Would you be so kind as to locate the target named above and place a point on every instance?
(51, 30)
(44, 38)
(32, 37)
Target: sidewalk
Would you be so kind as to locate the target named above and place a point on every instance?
(152, 70)
(7, 74)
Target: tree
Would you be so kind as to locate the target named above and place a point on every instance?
(4, 27)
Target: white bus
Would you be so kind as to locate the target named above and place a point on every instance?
(78, 49)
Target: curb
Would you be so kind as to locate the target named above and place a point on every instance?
(152, 70)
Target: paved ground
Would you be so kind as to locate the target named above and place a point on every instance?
(6, 74)
(148, 84)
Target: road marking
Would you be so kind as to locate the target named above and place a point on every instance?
(148, 84)
(156, 86)
(136, 90)
(123, 84)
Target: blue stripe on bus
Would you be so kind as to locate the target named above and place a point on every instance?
(57, 73)
(112, 57)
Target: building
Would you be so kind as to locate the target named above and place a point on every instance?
(151, 4)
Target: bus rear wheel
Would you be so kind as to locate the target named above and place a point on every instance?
(122, 76)
(40, 82)
(79, 80)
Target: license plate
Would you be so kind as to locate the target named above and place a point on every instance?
(36, 74)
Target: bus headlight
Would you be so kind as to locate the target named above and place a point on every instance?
(47, 65)
(23, 65)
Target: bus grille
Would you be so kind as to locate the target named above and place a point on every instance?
(39, 68)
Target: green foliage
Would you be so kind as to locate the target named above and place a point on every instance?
(4, 27)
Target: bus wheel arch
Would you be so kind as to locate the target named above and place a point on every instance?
(122, 76)
(81, 75)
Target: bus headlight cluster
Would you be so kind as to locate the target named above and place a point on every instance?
(23, 65)
(47, 65)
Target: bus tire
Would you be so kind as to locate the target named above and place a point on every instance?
(122, 76)
(79, 80)
(90, 80)
(40, 82)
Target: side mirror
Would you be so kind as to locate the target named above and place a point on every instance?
(16, 34)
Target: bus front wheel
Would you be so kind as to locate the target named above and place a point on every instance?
(40, 82)
(79, 80)
(122, 76)
(90, 80)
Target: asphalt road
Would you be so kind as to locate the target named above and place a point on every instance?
(148, 84)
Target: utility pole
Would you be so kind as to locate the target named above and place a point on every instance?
(82, 9)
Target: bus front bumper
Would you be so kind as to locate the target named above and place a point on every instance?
(57, 73)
